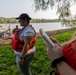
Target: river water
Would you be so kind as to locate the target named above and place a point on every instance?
(45, 26)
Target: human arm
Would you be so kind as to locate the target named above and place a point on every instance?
(27, 41)
(63, 67)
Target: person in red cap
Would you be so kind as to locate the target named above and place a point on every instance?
(23, 43)
(63, 57)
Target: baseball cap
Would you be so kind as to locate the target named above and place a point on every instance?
(24, 16)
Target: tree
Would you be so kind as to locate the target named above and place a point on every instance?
(63, 9)
(1, 20)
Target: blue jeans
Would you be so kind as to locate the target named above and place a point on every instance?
(25, 67)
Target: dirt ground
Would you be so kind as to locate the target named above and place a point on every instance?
(4, 42)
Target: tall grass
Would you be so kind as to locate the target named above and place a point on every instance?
(40, 65)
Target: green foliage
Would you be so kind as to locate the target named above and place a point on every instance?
(62, 8)
(13, 20)
(64, 37)
(7, 61)
(40, 64)
(8, 20)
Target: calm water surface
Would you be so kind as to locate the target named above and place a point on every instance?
(37, 26)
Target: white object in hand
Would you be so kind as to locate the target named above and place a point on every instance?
(46, 38)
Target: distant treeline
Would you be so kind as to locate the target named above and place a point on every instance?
(13, 20)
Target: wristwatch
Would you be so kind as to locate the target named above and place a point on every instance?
(58, 60)
(21, 58)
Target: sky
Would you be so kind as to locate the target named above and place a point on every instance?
(13, 8)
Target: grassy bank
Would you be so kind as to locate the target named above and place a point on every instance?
(40, 64)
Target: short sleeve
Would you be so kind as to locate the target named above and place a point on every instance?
(28, 32)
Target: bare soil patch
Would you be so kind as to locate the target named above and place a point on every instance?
(4, 42)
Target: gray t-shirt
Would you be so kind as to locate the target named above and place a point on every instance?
(27, 31)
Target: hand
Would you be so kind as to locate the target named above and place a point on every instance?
(20, 61)
(54, 53)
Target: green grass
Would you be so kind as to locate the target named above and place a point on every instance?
(40, 64)
(64, 36)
